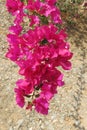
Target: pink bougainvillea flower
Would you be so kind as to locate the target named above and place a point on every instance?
(53, 76)
(13, 51)
(20, 97)
(47, 9)
(14, 5)
(25, 86)
(48, 91)
(51, 2)
(16, 29)
(41, 105)
(34, 5)
(38, 51)
(19, 15)
(34, 20)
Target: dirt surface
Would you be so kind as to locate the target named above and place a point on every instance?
(68, 109)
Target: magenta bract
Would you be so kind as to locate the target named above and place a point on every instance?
(38, 51)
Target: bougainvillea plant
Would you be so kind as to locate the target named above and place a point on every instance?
(38, 48)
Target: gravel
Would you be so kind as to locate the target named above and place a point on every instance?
(68, 109)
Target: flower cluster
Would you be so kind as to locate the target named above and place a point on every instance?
(38, 51)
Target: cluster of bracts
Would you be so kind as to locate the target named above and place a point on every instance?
(38, 50)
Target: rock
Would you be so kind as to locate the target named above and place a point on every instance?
(19, 123)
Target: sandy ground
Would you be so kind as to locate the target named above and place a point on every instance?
(68, 109)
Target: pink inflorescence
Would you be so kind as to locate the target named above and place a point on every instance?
(38, 51)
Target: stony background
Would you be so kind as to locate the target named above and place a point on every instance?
(68, 109)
